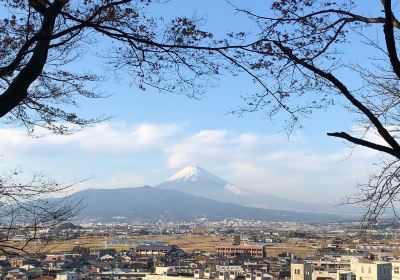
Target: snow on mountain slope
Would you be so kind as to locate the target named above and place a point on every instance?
(196, 181)
(194, 173)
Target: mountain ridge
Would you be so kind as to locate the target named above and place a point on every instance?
(153, 204)
(190, 181)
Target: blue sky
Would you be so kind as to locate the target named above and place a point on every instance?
(153, 135)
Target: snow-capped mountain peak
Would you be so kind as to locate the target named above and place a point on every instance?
(195, 180)
(194, 174)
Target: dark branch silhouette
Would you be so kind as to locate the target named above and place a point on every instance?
(30, 210)
(295, 54)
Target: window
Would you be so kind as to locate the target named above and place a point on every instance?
(396, 270)
(362, 270)
(369, 270)
(297, 271)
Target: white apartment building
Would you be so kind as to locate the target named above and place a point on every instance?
(68, 276)
(396, 270)
(346, 275)
(357, 269)
(300, 271)
(365, 269)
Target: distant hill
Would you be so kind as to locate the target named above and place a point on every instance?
(197, 181)
(147, 203)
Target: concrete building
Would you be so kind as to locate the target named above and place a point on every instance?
(237, 248)
(395, 270)
(119, 274)
(262, 276)
(300, 271)
(208, 273)
(16, 274)
(258, 275)
(257, 251)
(68, 276)
(366, 269)
(324, 275)
(331, 264)
(228, 268)
(199, 273)
(223, 275)
(165, 270)
(101, 252)
(165, 277)
(155, 250)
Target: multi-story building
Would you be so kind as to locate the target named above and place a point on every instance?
(257, 251)
(67, 276)
(300, 271)
(345, 275)
(324, 275)
(366, 269)
(155, 250)
(396, 270)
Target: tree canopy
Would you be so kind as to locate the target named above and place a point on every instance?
(39, 39)
(295, 54)
(302, 47)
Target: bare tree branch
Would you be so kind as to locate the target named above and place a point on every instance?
(389, 37)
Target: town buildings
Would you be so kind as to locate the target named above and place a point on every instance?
(238, 248)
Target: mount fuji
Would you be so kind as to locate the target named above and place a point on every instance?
(153, 204)
(197, 181)
(190, 194)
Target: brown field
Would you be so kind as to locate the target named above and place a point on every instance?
(186, 242)
(190, 243)
(301, 248)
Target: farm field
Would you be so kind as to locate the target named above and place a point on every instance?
(188, 243)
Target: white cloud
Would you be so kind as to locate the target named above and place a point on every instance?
(145, 153)
(103, 139)
(110, 140)
(198, 148)
(272, 164)
(118, 179)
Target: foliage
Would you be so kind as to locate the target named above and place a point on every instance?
(295, 56)
(302, 63)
